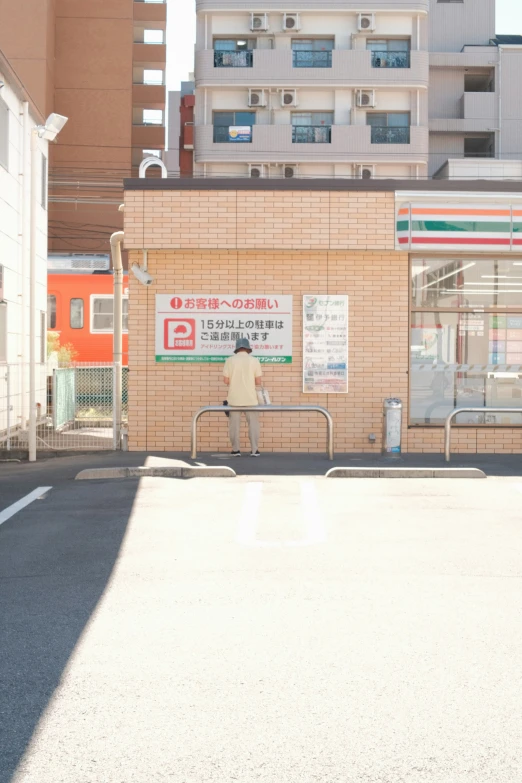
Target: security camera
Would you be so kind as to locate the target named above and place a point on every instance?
(141, 275)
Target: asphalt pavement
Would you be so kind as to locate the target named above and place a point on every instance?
(284, 629)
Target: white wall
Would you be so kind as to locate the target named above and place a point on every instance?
(14, 191)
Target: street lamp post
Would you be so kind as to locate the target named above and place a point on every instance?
(49, 131)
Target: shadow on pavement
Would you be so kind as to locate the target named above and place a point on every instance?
(56, 558)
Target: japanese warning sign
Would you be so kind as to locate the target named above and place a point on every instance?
(200, 328)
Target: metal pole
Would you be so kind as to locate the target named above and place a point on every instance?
(26, 212)
(117, 266)
(32, 299)
(263, 409)
(453, 414)
(8, 382)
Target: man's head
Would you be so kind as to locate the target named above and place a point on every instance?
(243, 345)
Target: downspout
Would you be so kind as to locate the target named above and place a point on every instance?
(500, 102)
(117, 265)
(26, 209)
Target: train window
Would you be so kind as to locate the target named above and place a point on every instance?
(76, 316)
(51, 310)
(102, 313)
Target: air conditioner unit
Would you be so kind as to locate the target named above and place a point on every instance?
(366, 99)
(291, 23)
(257, 98)
(366, 23)
(288, 98)
(364, 171)
(290, 170)
(259, 23)
(257, 170)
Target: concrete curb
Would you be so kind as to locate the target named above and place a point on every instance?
(102, 474)
(423, 473)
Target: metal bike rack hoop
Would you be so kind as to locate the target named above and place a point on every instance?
(454, 413)
(263, 409)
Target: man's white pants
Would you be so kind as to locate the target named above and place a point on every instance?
(234, 429)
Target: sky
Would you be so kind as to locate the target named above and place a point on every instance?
(182, 31)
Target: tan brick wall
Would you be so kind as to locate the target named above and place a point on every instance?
(278, 243)
(259, 220)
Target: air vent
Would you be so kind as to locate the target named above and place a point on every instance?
(288, 98)
(366, 99)
(291, 23)
(363, 171)
(366, 23)
(290, 170)
(257, 170)
(259, 22)
(257, 98)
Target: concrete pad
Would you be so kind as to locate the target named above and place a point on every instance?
(408, 473)
(102, 474)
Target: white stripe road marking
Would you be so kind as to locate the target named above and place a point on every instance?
(10, 511)
(249, 518)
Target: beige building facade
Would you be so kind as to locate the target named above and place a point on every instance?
(412, 332)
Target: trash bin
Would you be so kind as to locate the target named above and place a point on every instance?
(392, 426)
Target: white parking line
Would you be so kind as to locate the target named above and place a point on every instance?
(310, 511)
(10, 511)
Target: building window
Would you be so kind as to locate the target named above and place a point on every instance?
(234, 52)
(312, 127)
(152, 117)
(51, 310)
(44, 183)
(390, 128)
(76, 314)
(3, 332)
(153, 76)
(312, 52)
(233, 126)
(102, 313)
(4, 134)
(389, 53)
(466, 337)
(153, 37)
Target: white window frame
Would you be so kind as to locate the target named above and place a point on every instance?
(91, 314)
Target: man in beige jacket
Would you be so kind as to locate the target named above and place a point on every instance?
(242, 374)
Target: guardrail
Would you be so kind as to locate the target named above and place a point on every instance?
(263, 409)
(449, 421)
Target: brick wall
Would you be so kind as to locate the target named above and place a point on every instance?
(295, 243)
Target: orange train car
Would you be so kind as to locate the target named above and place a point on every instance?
(80, 310)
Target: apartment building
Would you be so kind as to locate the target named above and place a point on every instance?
(179, 157)
(101, 64)
(392, 89)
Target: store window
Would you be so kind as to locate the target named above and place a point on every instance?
(102, 314)
(466, 339)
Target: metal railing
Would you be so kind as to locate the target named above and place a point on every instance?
(306, 134)
(390, 59)
(453, 414)
(309, 59)
(243, 59)
(385, 135)
(263, 409)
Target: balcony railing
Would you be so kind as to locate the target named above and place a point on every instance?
(390, 59)
(222, 135)
(233, 59)
(306, 134)
(305, 59)
(383, 135)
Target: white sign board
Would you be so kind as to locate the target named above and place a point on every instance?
(325, 344)
(200, 328)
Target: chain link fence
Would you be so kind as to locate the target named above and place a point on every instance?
(74, 407)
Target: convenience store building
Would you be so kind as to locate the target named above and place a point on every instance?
(351, 292)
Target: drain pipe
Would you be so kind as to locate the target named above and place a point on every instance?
(117, 265)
